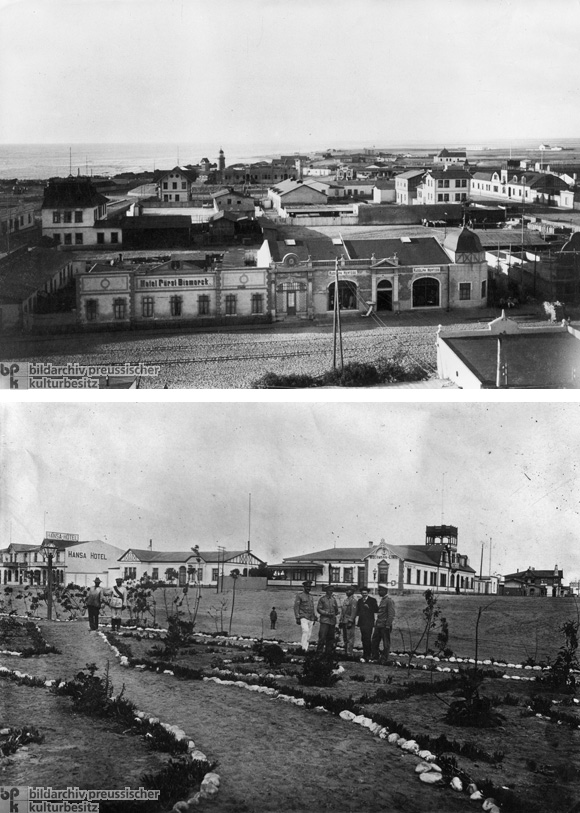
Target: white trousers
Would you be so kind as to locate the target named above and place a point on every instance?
(306, 632)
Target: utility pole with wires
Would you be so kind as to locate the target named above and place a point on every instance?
(336, 322)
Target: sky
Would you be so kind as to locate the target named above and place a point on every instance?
(308, 73)
(320, 475)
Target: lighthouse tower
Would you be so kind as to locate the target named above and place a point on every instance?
(221, 165)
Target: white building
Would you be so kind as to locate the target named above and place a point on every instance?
(186, 567)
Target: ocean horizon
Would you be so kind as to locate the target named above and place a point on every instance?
(42, 161)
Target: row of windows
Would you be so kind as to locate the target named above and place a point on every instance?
(429, 577)
(67, 238)
(67, 217)
(174, 185)
(443, 197)
(175, 305)
(445, 184)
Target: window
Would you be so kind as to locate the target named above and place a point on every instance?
(78, 239)
(334, 574)
(68, 217)
(114, 237)
(457, 196)
(464, 290)
(203, 305)
(231, 305)
(130, 572)
(100, 237)
(446, 197)
(347, 575)
(418, 577)
(91, 309)
(229, 201)
(155, 573)
(443, 579)
(68, 239)
(30, 218)
(165, 184)
(446, 184)
(408, 575)
(433, 579)
(56, 217)
(426, 293)
(56, 238)
(440, 198)
(147, 305)
(78, 217)
(183, 185)
(165, 198)
(174, 185)
(257, 303)
(120, 308)
(215, 574)
(484, 289)
(175, 304)
(425, 577)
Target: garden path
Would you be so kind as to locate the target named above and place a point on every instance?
(271, 756)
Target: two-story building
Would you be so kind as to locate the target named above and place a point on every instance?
(532, 582)
(406, 186)
(175, 185)
(232, 200)
(520, 186)
(447, 185)
(70, 209)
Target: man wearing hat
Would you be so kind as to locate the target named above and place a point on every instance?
(117, 601)
(366, 610)
(383, 625)
(304, 613)
(327, 610)
(94, 601)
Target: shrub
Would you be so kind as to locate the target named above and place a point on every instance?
(392, 370)
(354, 374)
(318, 670)
(291, 381)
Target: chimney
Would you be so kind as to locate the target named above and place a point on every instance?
(371, 544)
(150, 544)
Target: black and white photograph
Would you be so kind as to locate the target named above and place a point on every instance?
(291, 606)
(271, 194)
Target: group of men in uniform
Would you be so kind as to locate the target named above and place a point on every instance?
(374, 620)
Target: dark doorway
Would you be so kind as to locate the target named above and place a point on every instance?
(426, 293)
(385, 295)
(291, 303)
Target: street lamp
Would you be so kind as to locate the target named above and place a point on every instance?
(48, 551)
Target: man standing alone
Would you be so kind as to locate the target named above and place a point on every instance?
(366, 609)
(304, 613)
(383, 625)
(94, 601)
(327, 610)
(347, 619)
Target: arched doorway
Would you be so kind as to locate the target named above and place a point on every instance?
(385, 295)
(426, 293)
(347, 295)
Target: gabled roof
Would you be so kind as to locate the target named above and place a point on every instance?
(542, 359)
(410, 173)
(448, 172)
(231, 192)
(463, 242)
(445, 153)
(411, 251)
(73, 193)
(162, 557)
(19, 547)
(285, 187)
(540, 574)
(420, 554)
(189, 174)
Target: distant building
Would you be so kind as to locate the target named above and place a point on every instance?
(74, 561)
(532, 582)
(384, 191)
(292, 192)
(450, 157)
(522, 186)
(231, 200)
(174, 186)
(436, 565)
(505, 355)
(406, 185)
(70, 210)
(186, 567)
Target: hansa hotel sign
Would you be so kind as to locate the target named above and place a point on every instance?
(61, 537)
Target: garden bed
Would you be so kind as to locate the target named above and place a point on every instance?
(22, 638)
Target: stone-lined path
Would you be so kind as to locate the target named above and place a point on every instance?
(271, 756)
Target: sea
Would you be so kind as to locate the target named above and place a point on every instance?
(41, 161)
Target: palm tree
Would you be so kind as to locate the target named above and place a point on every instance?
(234, 574)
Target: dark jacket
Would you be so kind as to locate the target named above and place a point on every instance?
(366, 612)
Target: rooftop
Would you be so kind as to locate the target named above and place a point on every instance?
(27, 273)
